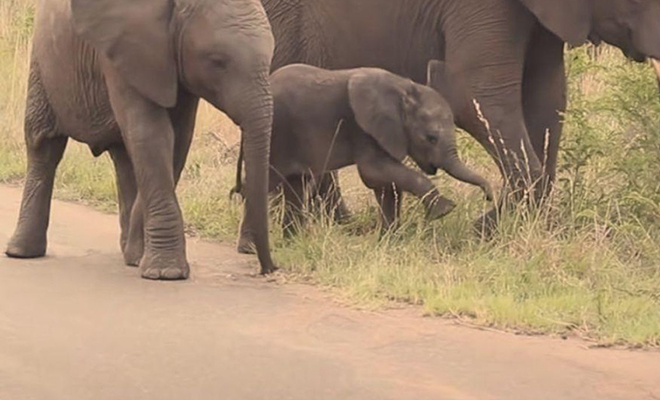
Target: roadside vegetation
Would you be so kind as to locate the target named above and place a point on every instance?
(588, 265)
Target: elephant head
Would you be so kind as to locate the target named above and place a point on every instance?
(631, 25)
(218, 50)
(408, 119)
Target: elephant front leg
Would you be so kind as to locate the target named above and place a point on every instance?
(485, 89)
(504, 135)
(380, 171)
(544, 99)
(183, 123)
(149, 138)
(501, 128)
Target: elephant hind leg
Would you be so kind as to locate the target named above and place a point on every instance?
(329, 192)
(127, 195)
(389, 200)
(544, 99)
(45, 148)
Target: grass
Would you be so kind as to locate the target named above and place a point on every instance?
(589, 264)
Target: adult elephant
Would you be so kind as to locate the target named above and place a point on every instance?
(505, 56)
(126, 76)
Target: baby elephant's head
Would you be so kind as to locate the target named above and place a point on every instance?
(409, 119)
(428, 124)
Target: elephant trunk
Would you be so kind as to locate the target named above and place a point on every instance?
(256, 130)
(457, 169)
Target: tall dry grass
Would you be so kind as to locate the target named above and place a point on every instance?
(588, 264)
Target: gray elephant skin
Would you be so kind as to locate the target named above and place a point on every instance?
(326, 120)
(126, 76)
(508, 55)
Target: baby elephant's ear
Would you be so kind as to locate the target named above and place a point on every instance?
(376, 100)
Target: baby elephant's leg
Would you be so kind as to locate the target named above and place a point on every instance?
(294, 203)
(380, 172)
(330, 194)
(389, 201)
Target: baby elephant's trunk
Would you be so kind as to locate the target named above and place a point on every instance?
(457, 169)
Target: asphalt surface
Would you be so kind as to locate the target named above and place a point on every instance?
(80, 325)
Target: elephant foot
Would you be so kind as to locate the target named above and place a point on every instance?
(486, 226)
(268, 270)
(22, 248)
(133, 252)
(245, 245)
(164, 267)
(439, 207)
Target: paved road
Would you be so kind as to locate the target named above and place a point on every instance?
(79, 325)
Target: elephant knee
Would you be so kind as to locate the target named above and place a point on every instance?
(371, 176)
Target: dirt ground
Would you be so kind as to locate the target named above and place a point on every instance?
(79, 325)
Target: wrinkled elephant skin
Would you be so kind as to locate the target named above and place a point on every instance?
(326, 120)
(126, 77)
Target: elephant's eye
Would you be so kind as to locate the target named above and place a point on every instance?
(432, 139)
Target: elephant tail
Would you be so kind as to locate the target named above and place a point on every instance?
(238, 188)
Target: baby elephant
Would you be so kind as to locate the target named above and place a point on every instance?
(326, 120)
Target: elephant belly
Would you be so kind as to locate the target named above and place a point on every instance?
(308, 151)
(86, 117)
(341, 34)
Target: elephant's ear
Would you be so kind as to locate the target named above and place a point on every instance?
(134, 35)
(568, 19)
(376, 98)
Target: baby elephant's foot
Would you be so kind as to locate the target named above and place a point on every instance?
(21, 247)
(486, 226)
(246, 245)
(164, 266)
(439, 207)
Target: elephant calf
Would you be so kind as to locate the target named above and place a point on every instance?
(326, 120)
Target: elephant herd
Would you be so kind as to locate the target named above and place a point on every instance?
(126, 77)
